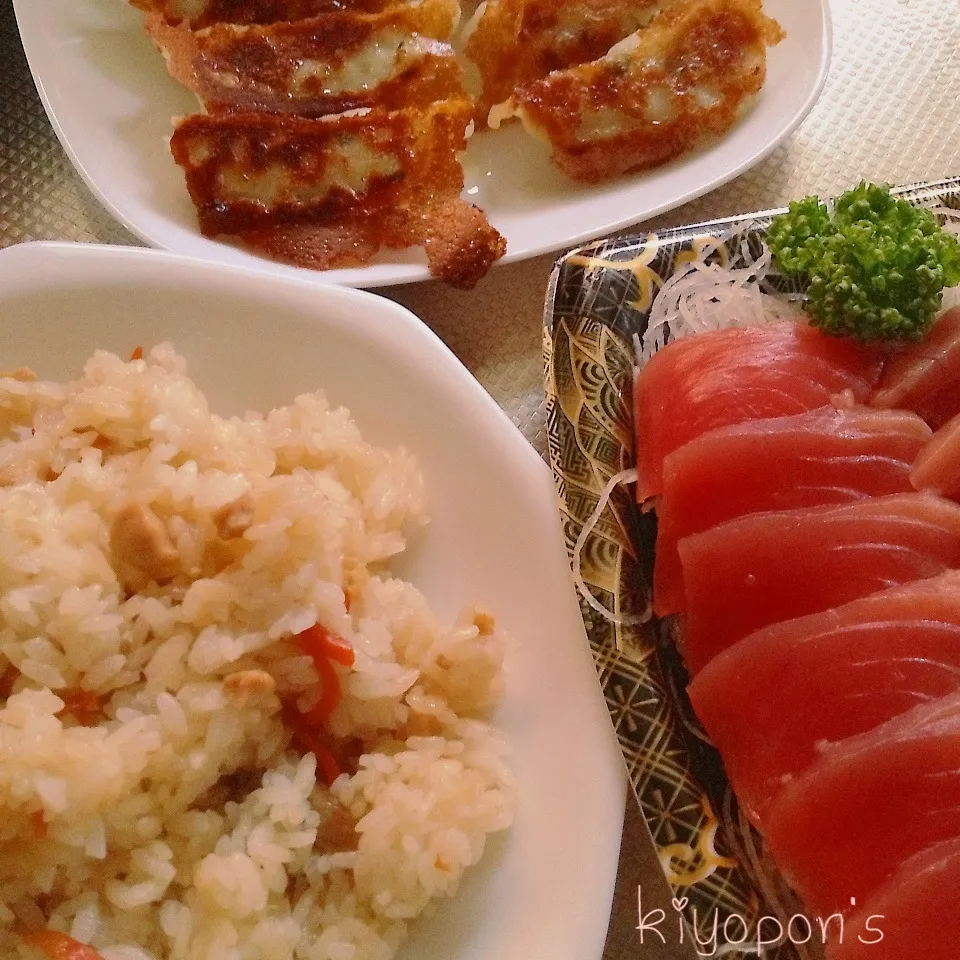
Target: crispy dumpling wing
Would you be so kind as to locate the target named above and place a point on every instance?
(202, 13)
(657, 93)
(514, 42)
(331, 192)
(327, 64)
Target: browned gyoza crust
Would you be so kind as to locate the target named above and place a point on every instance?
(202, 13)
(328, 64)
(331, 192)
(683, 78)
(518, 41)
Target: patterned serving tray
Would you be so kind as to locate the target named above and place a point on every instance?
(598, 301)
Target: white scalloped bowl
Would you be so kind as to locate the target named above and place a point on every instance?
(252, 341)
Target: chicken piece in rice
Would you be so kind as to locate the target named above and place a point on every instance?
(226, 731)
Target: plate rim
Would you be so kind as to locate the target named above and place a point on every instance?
(399, 274)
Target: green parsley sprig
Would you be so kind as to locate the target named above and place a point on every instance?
(875, 269)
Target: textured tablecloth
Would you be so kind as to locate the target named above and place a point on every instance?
(888, 112)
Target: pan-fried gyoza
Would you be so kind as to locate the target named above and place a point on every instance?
(333, 128)
(514, 42)
(657, 93)
(198, 14)
(331, 192)
(327, 64)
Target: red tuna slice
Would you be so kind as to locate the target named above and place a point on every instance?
(937, 468)
(824, 456)
(767, 567)
(714, 379)
(841, 828)
(769, 701)
(915, 911)
(925, 376)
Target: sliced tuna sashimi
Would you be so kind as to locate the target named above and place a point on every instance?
(937, 468)
(767, 567)
(728, 376)
(824, 456)
(925, 376)
(915, 911)
(769, 701)
(840, 829)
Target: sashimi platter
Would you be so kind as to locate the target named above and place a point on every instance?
(754, 426)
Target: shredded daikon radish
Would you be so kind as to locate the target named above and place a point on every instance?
(950, 221)
(703, 296)
(951, 217)
(625, 476)
(724, 948)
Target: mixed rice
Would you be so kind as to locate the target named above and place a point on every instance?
(226, 731)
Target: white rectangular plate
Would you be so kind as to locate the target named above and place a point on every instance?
(111, 102)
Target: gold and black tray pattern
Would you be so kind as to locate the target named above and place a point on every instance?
(598, 302)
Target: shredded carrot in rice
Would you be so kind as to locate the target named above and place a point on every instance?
(137, 353)
(334, 646)
(324, 646)
(58, 946)
(83, 705)
(311, 739)
(330, 695)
